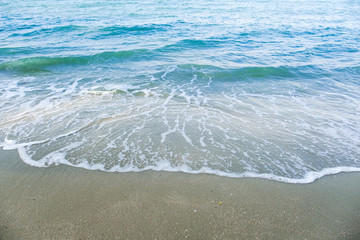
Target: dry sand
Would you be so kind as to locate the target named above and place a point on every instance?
(70, 203)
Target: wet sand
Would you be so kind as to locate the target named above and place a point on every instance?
(70, 203)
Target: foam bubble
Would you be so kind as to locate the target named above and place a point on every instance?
(309, 177)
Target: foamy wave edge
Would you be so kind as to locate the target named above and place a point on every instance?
(165, 166)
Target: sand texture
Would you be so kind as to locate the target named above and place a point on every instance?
(70, 203)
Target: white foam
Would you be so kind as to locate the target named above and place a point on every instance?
(11, 144)
(27, 159)
(59, 158)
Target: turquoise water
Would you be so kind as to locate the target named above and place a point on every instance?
(266, 89)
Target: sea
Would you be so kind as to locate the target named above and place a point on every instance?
(236, 88)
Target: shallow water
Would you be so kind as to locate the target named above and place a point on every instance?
(254, 88)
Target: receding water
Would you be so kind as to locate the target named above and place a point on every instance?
(256, 88)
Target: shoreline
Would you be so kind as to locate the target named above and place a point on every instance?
(309, 177)
(62, 202)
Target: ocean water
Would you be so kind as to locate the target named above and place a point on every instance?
(250, 88)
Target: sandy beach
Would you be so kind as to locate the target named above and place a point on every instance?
(70, 203)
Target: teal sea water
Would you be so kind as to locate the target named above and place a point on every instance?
(249, 88)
